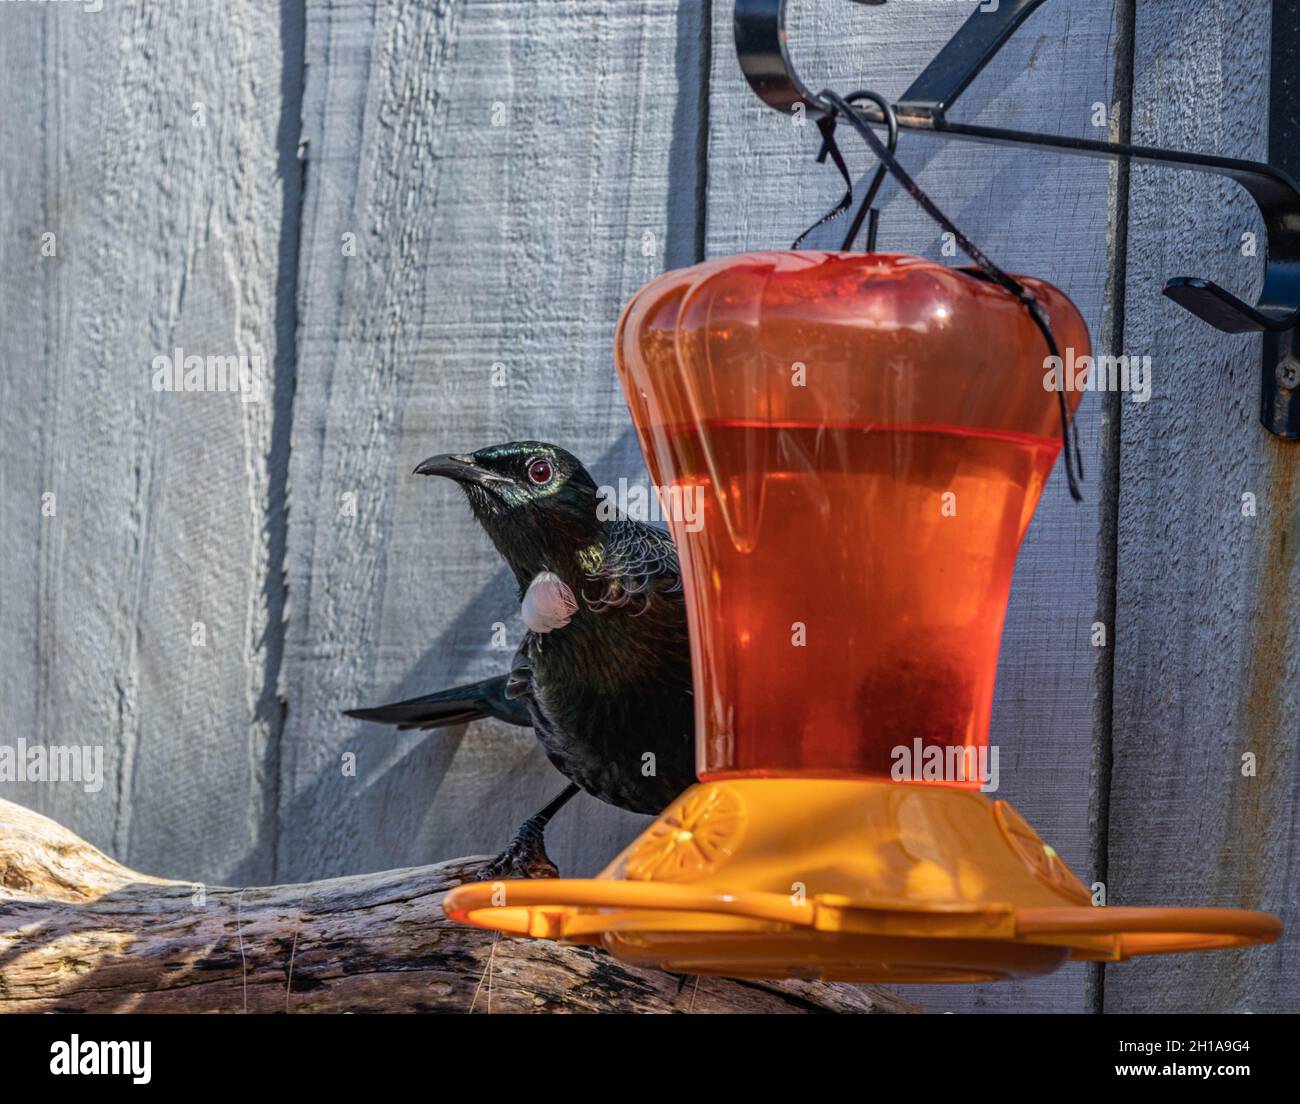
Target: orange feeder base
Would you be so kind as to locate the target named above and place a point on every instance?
(845, 881)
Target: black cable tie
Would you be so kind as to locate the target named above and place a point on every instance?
(1072, 459)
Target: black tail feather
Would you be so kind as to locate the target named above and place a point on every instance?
(459, 705)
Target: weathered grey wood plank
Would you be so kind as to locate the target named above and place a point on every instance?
(475, 245)
(1206, 662)
(167, 233)
(1034, 213)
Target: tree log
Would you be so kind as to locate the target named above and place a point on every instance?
(81, 933)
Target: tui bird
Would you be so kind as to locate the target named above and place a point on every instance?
(603, 675)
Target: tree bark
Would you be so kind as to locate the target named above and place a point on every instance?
(81, 933)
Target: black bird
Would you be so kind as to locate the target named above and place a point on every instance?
(603, 675)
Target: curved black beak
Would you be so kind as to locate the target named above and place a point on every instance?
(462, 469)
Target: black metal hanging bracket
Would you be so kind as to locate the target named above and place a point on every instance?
(761, 48)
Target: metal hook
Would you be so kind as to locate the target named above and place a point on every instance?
(761, 49)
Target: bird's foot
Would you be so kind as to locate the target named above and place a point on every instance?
(526, 856)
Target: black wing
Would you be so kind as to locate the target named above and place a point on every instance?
(519, 683)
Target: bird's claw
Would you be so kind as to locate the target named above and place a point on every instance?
(526, 856)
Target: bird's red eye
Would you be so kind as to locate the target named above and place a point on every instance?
(540, 471)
